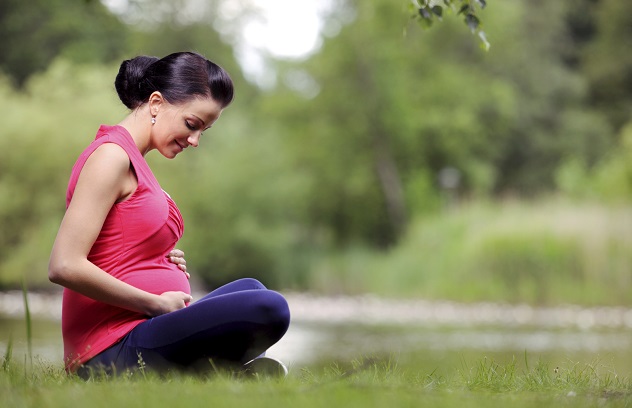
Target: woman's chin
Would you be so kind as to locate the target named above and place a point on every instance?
(169, 154)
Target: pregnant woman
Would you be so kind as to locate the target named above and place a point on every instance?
(127, 300)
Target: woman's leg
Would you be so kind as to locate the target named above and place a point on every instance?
(236, 286)
(233, 324)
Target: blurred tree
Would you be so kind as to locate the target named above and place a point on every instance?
(532, 55)
(347, 148)
(582, 26)
(45, 129)
(384, 121)
(375, 128)
(607, 61)
(35, 32)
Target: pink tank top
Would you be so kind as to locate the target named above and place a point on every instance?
(132, 246)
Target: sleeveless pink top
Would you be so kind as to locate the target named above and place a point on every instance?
(132, 246)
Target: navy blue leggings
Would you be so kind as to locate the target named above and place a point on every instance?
(230, 326)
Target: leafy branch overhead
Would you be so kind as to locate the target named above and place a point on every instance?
(427, 11)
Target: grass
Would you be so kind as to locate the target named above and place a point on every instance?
(402, 381)
(545, 253)
(28, 320)
(367, 382)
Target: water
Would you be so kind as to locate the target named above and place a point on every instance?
(430, 349)
(325, 331)
(46, 338)
(444, 349)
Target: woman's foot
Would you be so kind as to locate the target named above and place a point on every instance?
(265, 367)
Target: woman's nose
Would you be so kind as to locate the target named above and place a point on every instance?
(194, 139)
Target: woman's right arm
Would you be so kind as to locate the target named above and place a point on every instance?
(104, 179)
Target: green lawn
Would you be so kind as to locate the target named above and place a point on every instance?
(366, 383)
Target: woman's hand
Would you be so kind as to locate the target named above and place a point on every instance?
(170, 302)
(177, 257)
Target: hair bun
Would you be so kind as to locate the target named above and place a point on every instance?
(128, 80)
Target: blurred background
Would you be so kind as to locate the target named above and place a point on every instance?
(362, 154)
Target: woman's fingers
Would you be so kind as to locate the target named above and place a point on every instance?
(177, 253)
(176, 256)
(172, 301)
(178, 261)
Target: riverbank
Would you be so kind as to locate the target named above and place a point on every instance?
(373, 310)
(339, 328)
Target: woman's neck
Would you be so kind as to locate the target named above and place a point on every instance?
(138, 124)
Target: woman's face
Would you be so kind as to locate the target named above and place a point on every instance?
(180, 126)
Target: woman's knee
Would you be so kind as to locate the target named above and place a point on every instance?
(236, 286)
(274, 309)
(249, 284)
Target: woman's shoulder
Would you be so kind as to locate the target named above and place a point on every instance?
(108, 159)
(110, 152)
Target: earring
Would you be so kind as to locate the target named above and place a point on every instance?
(153, 120)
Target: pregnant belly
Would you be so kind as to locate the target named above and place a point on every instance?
(159, 280)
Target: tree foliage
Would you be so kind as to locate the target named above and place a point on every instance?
(36, 32)
(607, 63)
(352, 144)
(429, 11)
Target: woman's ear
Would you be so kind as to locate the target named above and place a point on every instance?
(156, 100)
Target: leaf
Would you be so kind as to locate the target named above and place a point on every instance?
(472, 21)
(482, 3)
(438, 10)
(464, 9)
(484, 43)
(425, 13)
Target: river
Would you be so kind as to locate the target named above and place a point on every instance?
(437, 334)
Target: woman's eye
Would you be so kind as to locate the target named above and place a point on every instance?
(189, 125)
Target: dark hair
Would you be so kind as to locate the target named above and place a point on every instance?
(179, 77)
